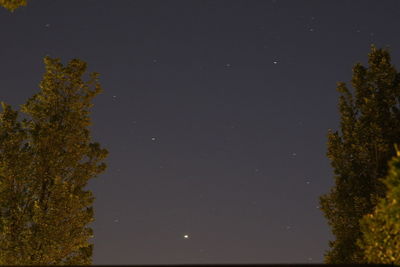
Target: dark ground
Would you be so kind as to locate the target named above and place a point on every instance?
(256, 265)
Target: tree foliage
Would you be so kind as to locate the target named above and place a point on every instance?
(381, 229)
(370, 126)
(13, 4)
(45, 162)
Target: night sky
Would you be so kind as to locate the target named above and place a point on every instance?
(215, 114)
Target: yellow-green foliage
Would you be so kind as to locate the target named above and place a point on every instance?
(359, 152)
(12, 4)
(381, 229)
(45, 162)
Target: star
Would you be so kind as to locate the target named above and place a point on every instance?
(275, 62)
(186, 236)
(153, 139)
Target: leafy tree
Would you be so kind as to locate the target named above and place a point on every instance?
(45, 162)
(15, 200)
(381, 229)
(13, 4)
(370, 126)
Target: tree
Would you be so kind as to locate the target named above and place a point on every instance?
(14, 196)
(45, 162)
(370, 126)
(13, 4)
(381, 229)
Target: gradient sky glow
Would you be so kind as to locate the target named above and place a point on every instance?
(215, 114)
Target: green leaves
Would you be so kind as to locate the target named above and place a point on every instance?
(12, 4)
(359, 152)
(381, 229)
(45, 163)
